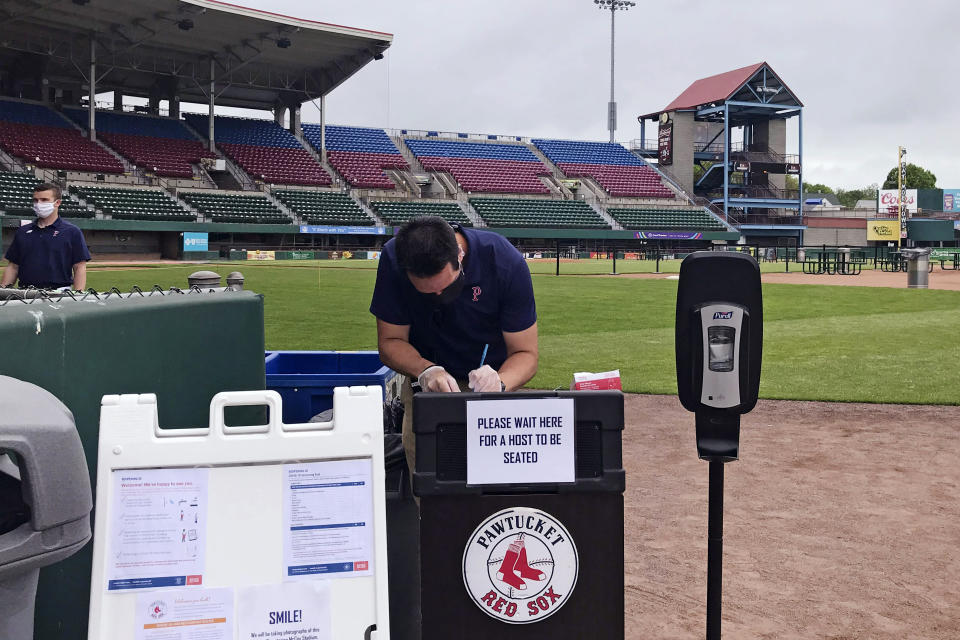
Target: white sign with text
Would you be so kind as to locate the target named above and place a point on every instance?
(520, 441)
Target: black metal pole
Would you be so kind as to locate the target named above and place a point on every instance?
(614, 261)
(658, 256)
(715, 550)
(558, 256)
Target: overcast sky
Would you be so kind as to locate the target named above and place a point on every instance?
(872, 74)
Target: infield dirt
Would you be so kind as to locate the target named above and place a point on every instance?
(841, 521)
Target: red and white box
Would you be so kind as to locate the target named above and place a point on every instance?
(596, 381)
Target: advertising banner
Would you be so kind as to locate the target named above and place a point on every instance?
(193, 241)
(883, 230)
(336, 230)
(665, 144)
(888, 201)
(261, 255)
(951, 199)
(667, 235)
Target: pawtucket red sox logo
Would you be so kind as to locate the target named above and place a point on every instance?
(476, 294)
(520, 565)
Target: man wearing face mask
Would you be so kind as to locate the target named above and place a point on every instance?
(455, 311)
(48, 253)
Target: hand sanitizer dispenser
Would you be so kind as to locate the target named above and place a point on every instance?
(719, 344)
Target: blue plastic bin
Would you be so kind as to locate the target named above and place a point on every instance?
(305, 379)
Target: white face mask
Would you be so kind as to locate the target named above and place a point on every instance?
(43, 209)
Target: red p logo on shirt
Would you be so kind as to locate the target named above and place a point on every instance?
(476, 294)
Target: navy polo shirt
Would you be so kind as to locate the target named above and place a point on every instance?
(497, 296)
(46, 255)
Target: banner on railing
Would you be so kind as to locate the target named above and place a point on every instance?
(668, 235)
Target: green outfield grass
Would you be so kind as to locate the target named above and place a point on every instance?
(820, 342)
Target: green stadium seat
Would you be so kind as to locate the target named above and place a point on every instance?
(133, 204)
(661, 219)
(230, 207)
(16, 197)
(530, 212)
(398, 212)
(323, 207)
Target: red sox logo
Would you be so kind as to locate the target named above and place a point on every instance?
(157, 609)
(476, 294)
(520, 565)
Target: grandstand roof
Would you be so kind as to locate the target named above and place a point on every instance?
(260, 58)
(724, 86)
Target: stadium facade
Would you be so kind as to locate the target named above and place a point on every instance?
(149, 181)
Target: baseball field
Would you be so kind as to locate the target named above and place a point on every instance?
(841, 514)
(828, 343)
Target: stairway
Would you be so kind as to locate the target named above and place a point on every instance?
(289, 212)
(472, 214)
(411, 159)
(240, 180)
(616, 226)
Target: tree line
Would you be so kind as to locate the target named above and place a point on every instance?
(917, 178)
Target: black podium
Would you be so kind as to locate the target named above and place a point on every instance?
(520, 560)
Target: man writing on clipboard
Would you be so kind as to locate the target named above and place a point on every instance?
(455, 311)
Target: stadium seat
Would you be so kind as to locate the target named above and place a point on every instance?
(323, 207)
(616, 170)
(484, 168)
(16, 197)
(360, 155)
(661, 219)
(529, 212)
(133, 204)
(42, 138)
(398, 212)
(233, 207)
(162, 146)
(264, 149)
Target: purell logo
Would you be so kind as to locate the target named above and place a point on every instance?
(722, 315)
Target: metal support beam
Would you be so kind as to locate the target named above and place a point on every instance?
(323, 128)
(92, 82)
(296, 124)
(212, 96)
(726, 163)
(612, 115)
(800, 161)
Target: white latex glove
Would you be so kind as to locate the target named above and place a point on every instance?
(436, 378)
(484, 379)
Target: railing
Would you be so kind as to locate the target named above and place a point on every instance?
(715, 147)
(765, 155)
(756, 191)
(650, 144)
(141, 110)
(759, 218)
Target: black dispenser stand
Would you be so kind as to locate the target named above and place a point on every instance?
(718, 441)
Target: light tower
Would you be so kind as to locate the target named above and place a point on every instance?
(613, 6)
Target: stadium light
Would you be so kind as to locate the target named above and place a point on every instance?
(613, 6)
